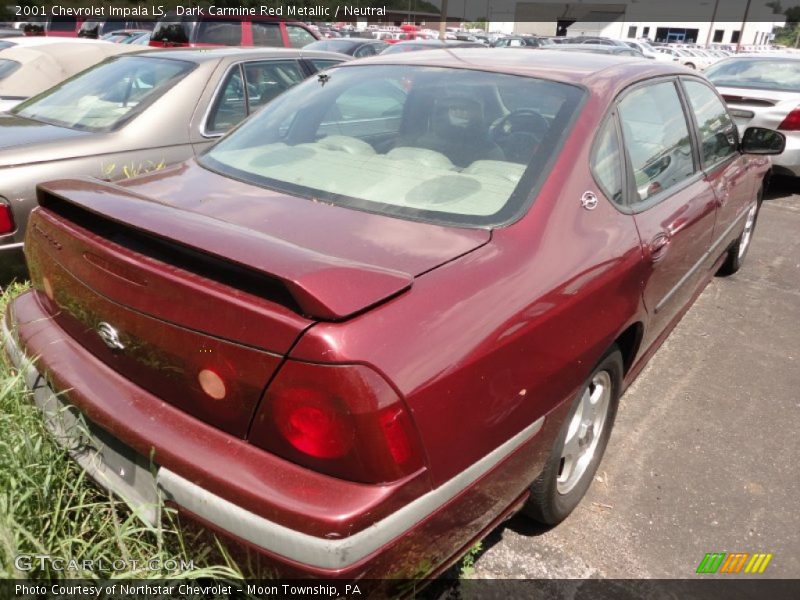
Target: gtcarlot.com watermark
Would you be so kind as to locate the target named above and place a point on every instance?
(32, 562)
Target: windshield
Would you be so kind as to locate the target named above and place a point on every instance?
(104, 97)
(445, 145)
(7, 67)
(765, 74)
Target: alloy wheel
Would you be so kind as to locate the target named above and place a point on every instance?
(584, 432)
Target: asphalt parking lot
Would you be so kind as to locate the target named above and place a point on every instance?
(705, 455)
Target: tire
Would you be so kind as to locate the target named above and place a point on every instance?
(738, 250)
(564, 480)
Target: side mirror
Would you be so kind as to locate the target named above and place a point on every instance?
(757, 140)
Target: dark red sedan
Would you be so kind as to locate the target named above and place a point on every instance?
(397, 305)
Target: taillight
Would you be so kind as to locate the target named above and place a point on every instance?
(792, 121)
(6, 219)
(344, 421)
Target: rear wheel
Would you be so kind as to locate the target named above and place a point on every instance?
(738, 251)
(580, 445)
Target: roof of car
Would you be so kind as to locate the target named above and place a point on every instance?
(579, 68)
(52, 63)
(201, 55)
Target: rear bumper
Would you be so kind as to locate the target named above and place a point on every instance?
(303, 522)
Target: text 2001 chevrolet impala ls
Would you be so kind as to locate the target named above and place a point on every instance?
(394, 307)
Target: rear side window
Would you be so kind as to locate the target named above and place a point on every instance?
(222, 33)
(263, 81)
(230, 106)
(606, 163)
(656, 137)
(267, 34)
(266, 80)
(718, 136)
(298, 36)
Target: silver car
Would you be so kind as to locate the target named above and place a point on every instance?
(131, 115)
(764, 91)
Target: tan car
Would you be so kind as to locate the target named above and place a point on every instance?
(134, 114)
(27, 70)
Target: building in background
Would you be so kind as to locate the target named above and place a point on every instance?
(698, 21)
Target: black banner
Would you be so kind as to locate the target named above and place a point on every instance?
(440, 589)
(590, 11)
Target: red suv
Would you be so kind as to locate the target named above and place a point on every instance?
(231, 32)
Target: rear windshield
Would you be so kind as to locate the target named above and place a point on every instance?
(7, 67)
(758, 73)
(442, 145)
(172, 32)
(104, 97)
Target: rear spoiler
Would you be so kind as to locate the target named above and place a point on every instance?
(323, 287)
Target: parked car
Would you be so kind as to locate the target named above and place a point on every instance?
(99, 28)
(7, 32)
(132, 114)
(649, 52)
(597, 49)
(684, 57)
(127, 36)
(27, 70)
(519, 41)
(391, 309)
(355, 47)
(175, 31)
(594, 39)
(416, 45)
(764, 91)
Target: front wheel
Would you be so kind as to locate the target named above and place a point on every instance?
(579, 446)
(738, 251)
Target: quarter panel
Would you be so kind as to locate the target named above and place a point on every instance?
(484, 345)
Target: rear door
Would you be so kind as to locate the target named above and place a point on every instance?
(670, 198)
(727, 170)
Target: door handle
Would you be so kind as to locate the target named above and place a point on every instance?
(659, 246)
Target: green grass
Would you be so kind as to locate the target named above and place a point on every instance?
(49, 508)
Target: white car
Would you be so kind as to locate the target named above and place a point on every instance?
(649, 51)
(687, 57)
(764, 91)
(28, 41)
(27, 70)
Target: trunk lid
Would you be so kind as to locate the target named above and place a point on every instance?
(197, 307)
